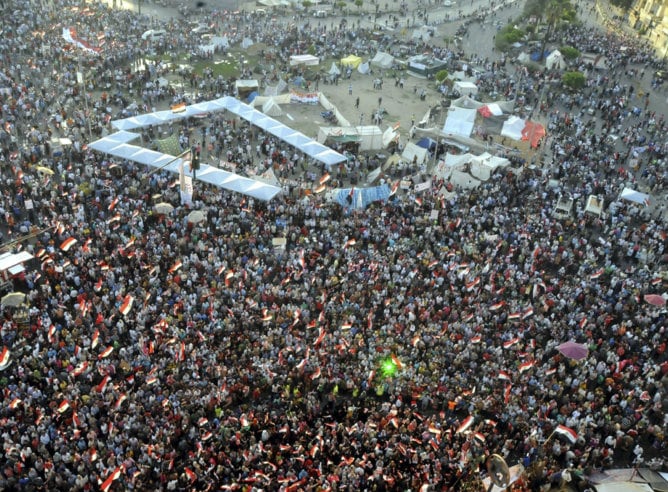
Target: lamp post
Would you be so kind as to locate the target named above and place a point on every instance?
(82, 88)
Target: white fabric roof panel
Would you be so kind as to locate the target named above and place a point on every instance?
(208, 174)
(310, 147)
(459, 121)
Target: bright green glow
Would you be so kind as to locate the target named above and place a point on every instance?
(388, 368)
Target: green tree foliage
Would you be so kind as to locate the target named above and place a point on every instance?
(569, 52)
(552, 14)
(625, 5)
(507, 36)
(441, 75)
(573, 80)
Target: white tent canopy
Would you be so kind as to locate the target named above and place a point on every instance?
(208, 174)
(271, 108)
(466, 102)
(311, 148)
(483, 166)
(413, 152)
(382, 60)
(308, 60)
(363, 68)
(369, 137)
(459, 121)
(513, 127)
(635, 196)
(555, 60)
(465, 88)
(247, 84)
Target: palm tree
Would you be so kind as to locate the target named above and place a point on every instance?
(551, 12)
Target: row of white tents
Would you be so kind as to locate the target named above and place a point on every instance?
(120, 145)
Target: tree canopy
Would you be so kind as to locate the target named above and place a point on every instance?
(625, 5)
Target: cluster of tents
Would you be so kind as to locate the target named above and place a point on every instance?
(555, 60)
(494, 118)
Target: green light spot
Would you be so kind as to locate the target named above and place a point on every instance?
(388, 368)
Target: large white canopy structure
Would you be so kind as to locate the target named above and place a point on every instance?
(305, 144)
(118, 144)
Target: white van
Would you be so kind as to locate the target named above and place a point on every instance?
(320, 13)
(154, 35)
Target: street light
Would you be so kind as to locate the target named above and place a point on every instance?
(82, 88)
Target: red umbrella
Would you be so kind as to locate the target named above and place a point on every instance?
(573, 350)
(655, 300)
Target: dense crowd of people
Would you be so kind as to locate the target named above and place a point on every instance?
(393, 348)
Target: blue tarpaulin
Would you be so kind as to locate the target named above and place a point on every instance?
(535, 56)
(361, 197)
(426, 143)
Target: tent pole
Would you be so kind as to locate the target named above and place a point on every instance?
(153, 171)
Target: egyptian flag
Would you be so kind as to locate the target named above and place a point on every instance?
(175, 266)
(127, 304)
(4, 358)
(178, 108)
(321, 337)
(504, 376)
(103, 384)
(506, 393)
(510, 343)
(395, 187)
(473, 284)
(96, 339)
(325, 177)
(397, 362)
(115, 475)
(526, 366)
(479, 437)
(569, 433)
(466, 423)
(120, 401)
(68, 243)
(497, 306)
(64, 406)
(597, 274)
(106, 352)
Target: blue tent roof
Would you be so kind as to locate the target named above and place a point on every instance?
(426, 143)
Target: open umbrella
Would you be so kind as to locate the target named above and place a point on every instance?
(196, 216)
(655, 300)
(163, 207)
(13, 299)
(44, 170)
(573, 350)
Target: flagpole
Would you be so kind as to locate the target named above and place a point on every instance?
(153, 171)
(549, 437)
